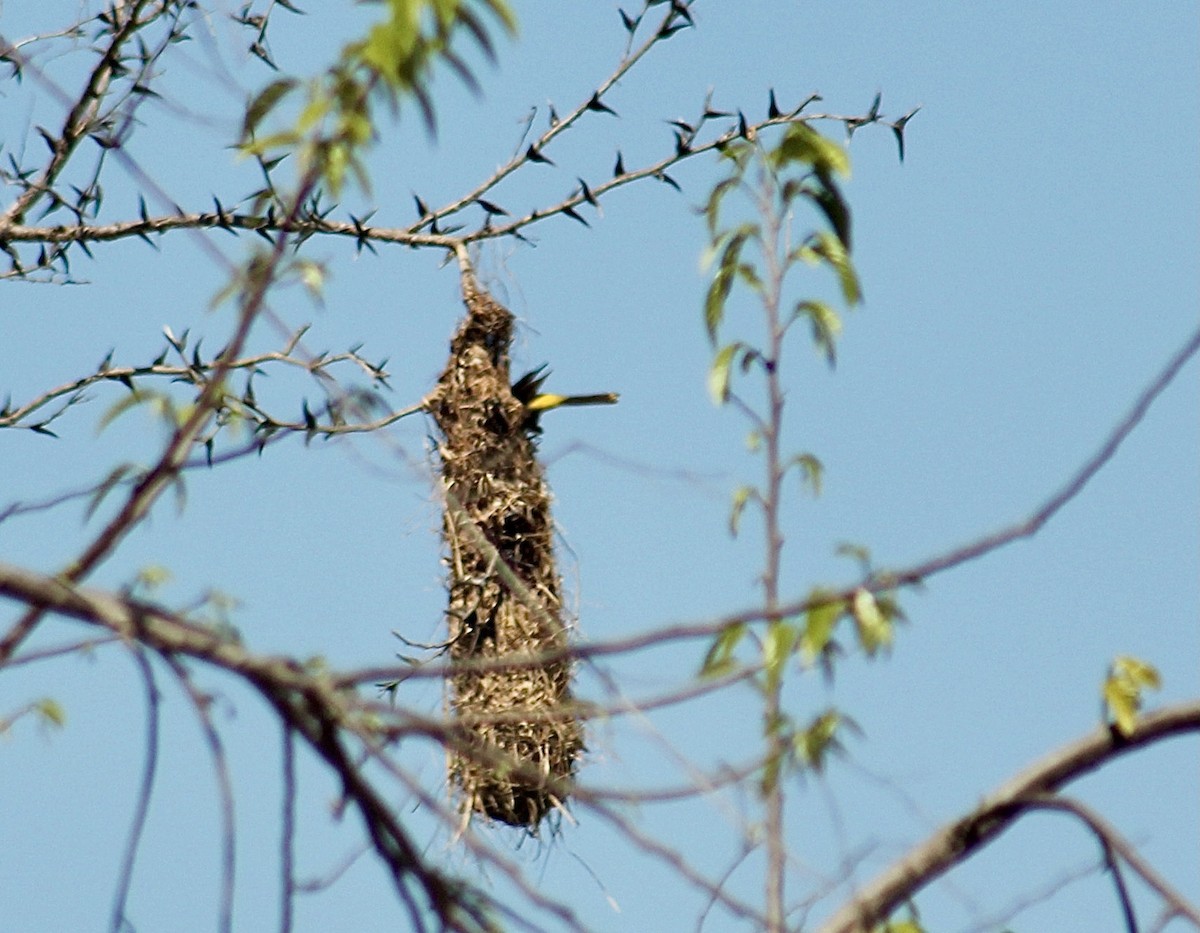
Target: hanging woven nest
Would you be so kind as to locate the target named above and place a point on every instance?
(518, 741)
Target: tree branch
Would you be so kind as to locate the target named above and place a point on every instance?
(958, 841)
(1114, 844)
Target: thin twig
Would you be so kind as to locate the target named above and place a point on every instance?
(956, 842)
(220, 763)
(1114, 844)
(141, 808)
(287, 835)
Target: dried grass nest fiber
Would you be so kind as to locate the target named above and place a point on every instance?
(518, 741)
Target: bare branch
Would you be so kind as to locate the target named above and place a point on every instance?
(958, 841)
(142, 806)
(1114, 844)
(306, 702)
(1073, 487)
(201, 704)
(287, 835)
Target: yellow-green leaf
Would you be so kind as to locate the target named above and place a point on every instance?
(152, 577)
(719, 373)
(814, 744)
(312, 277)
(829, 247)
(729, 245)
(826, 326)
(801, 143)
(777, 648)
(811, 471)
(51, 712)
(1128, 678)
(819, 625)
(741, 496)
(265, 102)
(124, 404)
(719, 659)
(874, 629)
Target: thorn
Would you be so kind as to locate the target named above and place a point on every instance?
(681, 10)
(709, 113)
(811, 99)
(491, 208)
(773, 111)
(533, 155)
(873, 115)
(598, 105)
(574, 215)
(898, 129)
(667, 179)
(619, 168)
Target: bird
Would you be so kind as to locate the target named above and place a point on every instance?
(528, 391)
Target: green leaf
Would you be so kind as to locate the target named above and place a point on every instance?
(811, 471)
(729, 245)
(124, 404)
(828, 198)
(106, 486)
(858, 552)
(777, 648)
(802, 144)
(770, 774)
(719, 373)
(814, 744)
(741, 496)
(714, 301)
(819, 624)
(831, 249)
(712, 208)
(748, 274)
(266, 101)
(312, 277)
(719, 659)
(826, 326)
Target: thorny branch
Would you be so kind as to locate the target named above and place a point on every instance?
(313, 219)
(81, 122)
(166, 471)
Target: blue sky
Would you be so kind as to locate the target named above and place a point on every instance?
(1027, 271)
